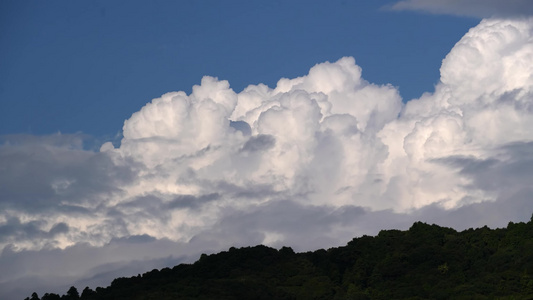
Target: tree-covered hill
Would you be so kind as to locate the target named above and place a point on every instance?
(424, 262)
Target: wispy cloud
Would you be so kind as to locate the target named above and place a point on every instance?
(471, 8)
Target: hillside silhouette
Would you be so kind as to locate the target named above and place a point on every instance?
(424, 262)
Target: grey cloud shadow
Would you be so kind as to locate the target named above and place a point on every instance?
(241, 126)
(510, 169)
(38, 177)
(260, 142)
(191, 202)
(250, 191)
(156, 205)
(14, 230)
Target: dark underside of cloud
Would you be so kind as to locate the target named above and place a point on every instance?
(304, 227)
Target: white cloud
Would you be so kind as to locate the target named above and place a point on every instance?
(472, 8)
(310, 163)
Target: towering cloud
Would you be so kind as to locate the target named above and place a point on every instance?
(309, 163)
(482, 103)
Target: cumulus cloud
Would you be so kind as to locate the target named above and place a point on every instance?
(471, 8)
(309, 163)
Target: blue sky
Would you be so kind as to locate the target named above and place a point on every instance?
(328, 120)
(86, 66)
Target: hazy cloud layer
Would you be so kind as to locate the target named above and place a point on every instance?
(472, 8)
(311, 163)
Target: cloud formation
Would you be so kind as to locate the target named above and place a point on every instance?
(310, 163)
(471, 8)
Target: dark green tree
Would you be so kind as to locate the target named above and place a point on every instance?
(72, 294)
(34, 296)
(87, 294)
(425, 262)
(51, 296)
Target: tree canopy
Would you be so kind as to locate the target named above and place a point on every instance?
(424, 262)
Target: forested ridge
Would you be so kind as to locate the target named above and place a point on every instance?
(424, 262)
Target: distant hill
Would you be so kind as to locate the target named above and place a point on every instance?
(424, 262)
